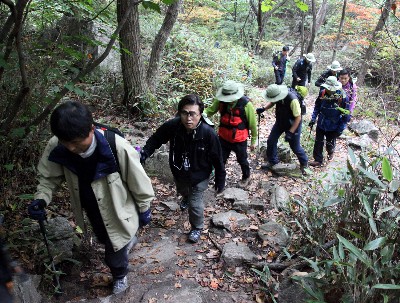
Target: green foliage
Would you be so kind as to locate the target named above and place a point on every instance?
(357, 207)
(301, 5)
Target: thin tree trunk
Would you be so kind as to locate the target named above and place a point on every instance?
(340, 30)
(131, 56)
(302, 40)
(370, 51)
(159, 44)
(318, 19)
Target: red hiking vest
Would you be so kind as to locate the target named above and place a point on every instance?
(233, 126)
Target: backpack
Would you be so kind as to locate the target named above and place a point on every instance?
(109, 134)
(301, 100)
(276, 56)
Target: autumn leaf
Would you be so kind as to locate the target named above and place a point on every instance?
(214, 284)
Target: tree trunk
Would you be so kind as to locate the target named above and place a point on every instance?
(131, 57)
(370, 51)
(318, 19)
(302, 40)
(339, 30)
(159, 44)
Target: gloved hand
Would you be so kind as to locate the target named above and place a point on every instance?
(260, 110)
(311, 124)
(144, 218)
(36, 210)
(289, 136)
(143, 156)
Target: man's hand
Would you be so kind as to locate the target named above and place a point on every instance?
(252, 147)
(36, 210)
(311, 124)
(298, 79)
(143, 157)
(144, 218)
(260, 110)
(289, 136)
(276, 67)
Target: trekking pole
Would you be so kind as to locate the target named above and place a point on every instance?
(258, 132)
(52, 265)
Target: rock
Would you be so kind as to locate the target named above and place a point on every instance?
(280, 198)
(291, 291)
(166, 292)
(26, 290)
(250, 205)
(236, 194)
(363, 142)
(230, 220)
(273, 233)
(172, 205)
(365, 127)
(235, 253)
(284, 169)
(141, 125)
(283, 152)
(158, 165)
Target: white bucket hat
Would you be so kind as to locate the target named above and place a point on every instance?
(332, 84)
(275, 92)
(335, 66)
(310, 57)
(230, 91)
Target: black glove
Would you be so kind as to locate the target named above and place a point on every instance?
(145, 218)
(311, 124)
(36, 210)
(260, 110)
(289, 136)
(143, 157)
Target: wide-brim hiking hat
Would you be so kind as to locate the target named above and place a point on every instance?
(310, 57)
(275, 92)
(332, 84)
(335, 66)
(230, 91)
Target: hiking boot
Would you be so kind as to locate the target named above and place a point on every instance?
(244, 183)
(194, 235)
(303, 169)
(267, 165)
(184, 204)
(131, 244)
(330, 157)
(120, 285)
(315, 164)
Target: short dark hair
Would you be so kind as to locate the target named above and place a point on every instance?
(191, 100)
(71, 120)
(285, 48)
(345, 71)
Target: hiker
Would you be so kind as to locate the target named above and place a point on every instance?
(331, 71)
(288, 121)
(279, 62)
(237, 119)
(112, 188)
(332, 110)
(349, 87)
(301, 70)
(194, 151)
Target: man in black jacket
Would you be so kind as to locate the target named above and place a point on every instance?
(301, 70)
(279, 64)
(194, 151)
(332, 70)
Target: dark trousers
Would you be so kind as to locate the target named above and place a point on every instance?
(302, 82)
(117, 261)
(5, 296)
(279, 76)
(320, 136)
(240, 149)
(272, 145)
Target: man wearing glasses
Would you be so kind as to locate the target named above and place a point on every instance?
(194, 151)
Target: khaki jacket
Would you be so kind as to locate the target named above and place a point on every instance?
(120, 195)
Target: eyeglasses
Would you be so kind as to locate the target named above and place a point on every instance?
(189, 114)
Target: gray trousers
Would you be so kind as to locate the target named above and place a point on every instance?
(194, 196)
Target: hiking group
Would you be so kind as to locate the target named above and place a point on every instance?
(105, 175)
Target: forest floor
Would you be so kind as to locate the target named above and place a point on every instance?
(165, 267)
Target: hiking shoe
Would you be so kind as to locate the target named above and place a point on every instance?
(120, 285)
(267, 165)
(184, 204)
(131, 244)
(330, 157)
(194, 235)
(303, 169)
(244, 183)
(315, 164)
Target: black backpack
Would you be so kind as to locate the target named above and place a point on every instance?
(301, 100)
(109, 134)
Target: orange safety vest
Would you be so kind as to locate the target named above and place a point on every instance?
(233, 126)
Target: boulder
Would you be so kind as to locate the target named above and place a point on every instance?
(364, 127)
(230, 220)
(235, 253)
(273, 233)
(280, 198)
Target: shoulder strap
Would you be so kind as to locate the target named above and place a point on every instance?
(242, 102)
(110, 137)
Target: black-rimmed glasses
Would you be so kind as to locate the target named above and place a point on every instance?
(186, 114)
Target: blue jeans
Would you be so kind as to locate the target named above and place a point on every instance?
(272, 145)
(194, 195)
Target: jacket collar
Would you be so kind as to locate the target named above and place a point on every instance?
(106, 164)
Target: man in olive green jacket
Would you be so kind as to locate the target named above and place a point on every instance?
(114, 190)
